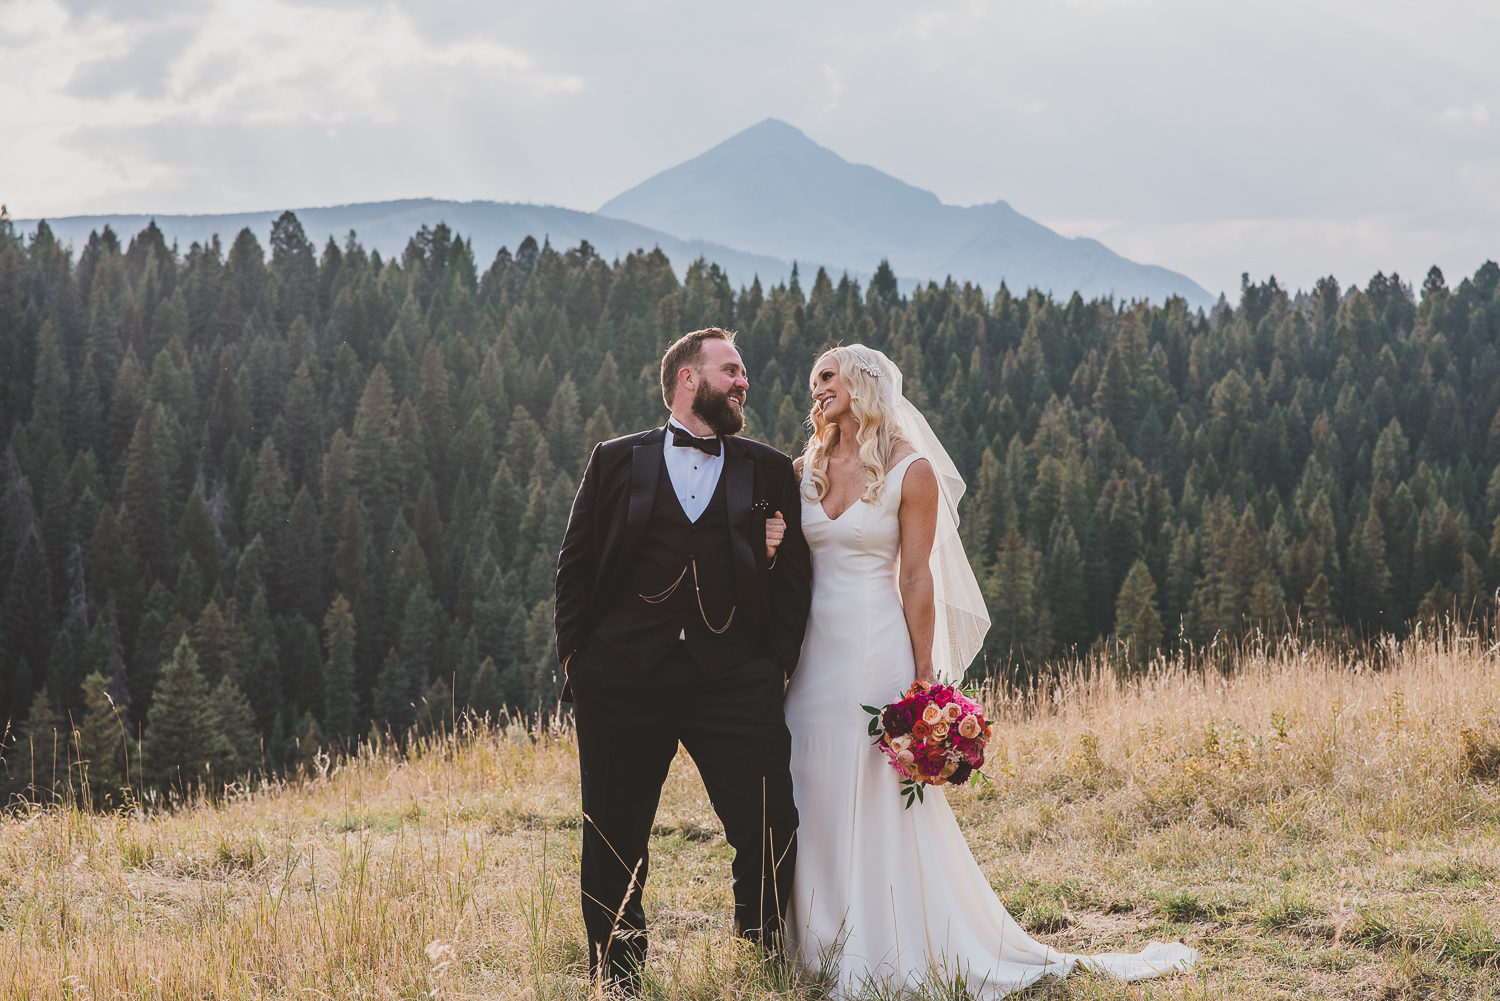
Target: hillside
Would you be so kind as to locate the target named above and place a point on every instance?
(304, 494)
(1316, 829)
(772, 190)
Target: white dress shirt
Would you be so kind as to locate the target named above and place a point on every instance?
(694, 473)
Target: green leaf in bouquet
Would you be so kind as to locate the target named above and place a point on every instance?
(871, 710)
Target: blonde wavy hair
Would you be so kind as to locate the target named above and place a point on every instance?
(872, 401)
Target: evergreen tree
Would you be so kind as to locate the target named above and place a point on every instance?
(86, 413)
(234, 722)
(267, 510)
(1011, 648)
(1266, 601)
(1369, 577)
(787, 434)
(605, 389)
(506, 504)
(374, 448)
(486, 698)
(50, 385)
(151, 641)
(1096, 575)
(146, 491)
(1138, 627)
(563, 426)
(197, 537)
(118, 690)
(339, 698)
(428, 530)
(465, 667)
(303, 678)
(257, 666)
(521, 441)
(1317, 610)
(183, 740)
(26, 618)
(301, 418)
(393, 708)
(302, 579)
(1066, 595)
(189, 587)
(599, 428)
(67, 665)
(436, 712)
(417, 642)
(229, 413)
(38, 764)
(544, 678)
(294, 264)
(102, 746)
(435, 408)
(112, 565)
(218, 641)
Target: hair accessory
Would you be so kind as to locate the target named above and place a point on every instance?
(873, 371)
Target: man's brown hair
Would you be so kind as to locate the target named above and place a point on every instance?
(686, 352)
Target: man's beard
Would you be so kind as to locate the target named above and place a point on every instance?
(714, 410)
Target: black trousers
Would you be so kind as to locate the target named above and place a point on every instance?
(629, 726)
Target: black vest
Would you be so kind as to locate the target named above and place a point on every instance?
(661, 600)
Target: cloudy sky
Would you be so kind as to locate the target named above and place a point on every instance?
(1294, 137)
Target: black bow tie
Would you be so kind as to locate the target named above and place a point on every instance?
(708, 446)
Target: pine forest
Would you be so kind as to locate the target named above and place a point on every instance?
(259, 502)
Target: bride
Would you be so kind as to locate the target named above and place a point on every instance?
(886, 897)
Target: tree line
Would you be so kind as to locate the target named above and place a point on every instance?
(255, 505)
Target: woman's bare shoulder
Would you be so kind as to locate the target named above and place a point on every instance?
(797, 465)
(901, 450)
(920, 482)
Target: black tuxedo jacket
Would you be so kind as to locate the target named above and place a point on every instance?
(614, 504)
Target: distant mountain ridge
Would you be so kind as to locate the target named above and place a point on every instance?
(771, 190)
(387, 226)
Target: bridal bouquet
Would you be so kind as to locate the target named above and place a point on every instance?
(934, 735)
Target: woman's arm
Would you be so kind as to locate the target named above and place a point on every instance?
(918, 514)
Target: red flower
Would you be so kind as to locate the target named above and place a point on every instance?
(897, 719)
(921, 729)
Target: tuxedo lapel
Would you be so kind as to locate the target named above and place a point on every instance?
(646, 467)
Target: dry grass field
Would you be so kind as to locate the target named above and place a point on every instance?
(1314, 826)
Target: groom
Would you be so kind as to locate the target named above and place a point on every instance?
(672, 625)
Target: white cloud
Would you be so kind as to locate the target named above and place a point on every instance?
(1477, 113)
(88, 92)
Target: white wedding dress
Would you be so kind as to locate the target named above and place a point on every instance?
(886, 896)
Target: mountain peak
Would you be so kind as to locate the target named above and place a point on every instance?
(775, 128)
(770, 189)
(763, 187)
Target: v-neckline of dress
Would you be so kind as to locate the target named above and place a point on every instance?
(857, 500)
(860, 500)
